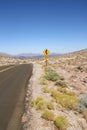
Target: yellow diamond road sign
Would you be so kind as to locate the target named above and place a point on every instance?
(46, 51)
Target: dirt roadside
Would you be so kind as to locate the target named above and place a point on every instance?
(32, 118)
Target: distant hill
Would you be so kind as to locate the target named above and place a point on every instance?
(4, 55)
(81, 52)
(37, 55)
(78, 53)
(33, 55)
(28, 55)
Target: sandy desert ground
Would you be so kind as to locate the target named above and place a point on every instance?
(56, 97)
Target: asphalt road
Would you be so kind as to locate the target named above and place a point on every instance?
(4, 67)
(13, 83)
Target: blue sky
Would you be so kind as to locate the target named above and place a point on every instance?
(33, 25)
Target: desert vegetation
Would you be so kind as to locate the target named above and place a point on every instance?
(51, 75)
(59, 91)
(61, 122)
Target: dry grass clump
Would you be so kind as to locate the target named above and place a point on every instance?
(50, 105)
(66, 91)
(38, 99)
(61, 89)
(55, 93)
(71, 93)
(65, 100)
(41, 103)
(45, 89)
(43, 81)
(48, 115)
(61, 122)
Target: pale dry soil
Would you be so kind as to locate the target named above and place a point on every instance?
(32, 119)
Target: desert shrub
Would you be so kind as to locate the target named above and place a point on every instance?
(48, 115)
(71, 93)
(45, 89)
(82, 104)
(50, 105)
(67, 101)
(62, 89)
(38, 99)
(66, 91)
(43, 81)
(41, 105)
(61, 122)
(55, 93)
(61, 83)
(51, 75)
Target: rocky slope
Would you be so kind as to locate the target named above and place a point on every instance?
(66, 97)
(62, 94)
(9, 60)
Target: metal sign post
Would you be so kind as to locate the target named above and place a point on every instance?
(46, 52)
